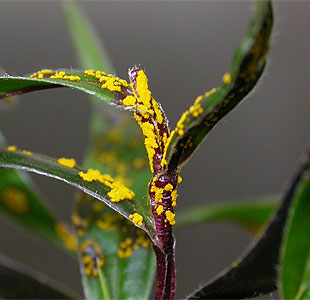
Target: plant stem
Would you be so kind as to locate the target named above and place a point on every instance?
(160, 193)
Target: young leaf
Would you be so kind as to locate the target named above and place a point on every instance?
(296, 246)
(255, 273)
(248, 64)
(116, 148)
(251, 215)
(102, 187)
(22, 203)
(18, 282)
(85, 40)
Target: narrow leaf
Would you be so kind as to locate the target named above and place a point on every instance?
(296, 247)
(107, 87)
(251, 215)
(18, 282)
(247, 67)
(116, 148)
(256, 272)
(87, 45)
(22, 203)
(104, 188)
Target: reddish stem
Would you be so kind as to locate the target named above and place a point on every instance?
(165, 287)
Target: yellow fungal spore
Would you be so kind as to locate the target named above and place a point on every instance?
(67, 162)
(170, 217)
(27, 153)
(136, 218)
(15, 200)
(159, 209)
(118, 190)
(67, 236)
(168, 187)
(226, 78)
(12, 148)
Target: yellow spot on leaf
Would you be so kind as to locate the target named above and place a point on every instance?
(27, 153)
(136, 218)
(118, 190)
(226, 78)
(15, 200)
(67, 236)
(67, 162)
(11, 148)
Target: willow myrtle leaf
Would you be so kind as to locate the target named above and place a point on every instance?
(256, 272)
(116, 148)
(105, 86)
(85, 40)
(247, 66)
(102, 187)
(251, 215)
(23, 204)
(296, 246)
(18, 282)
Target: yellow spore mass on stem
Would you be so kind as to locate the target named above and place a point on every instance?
(67, 162)
(118, 190)
(170, 217)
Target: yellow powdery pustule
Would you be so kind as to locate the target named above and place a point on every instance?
(67, 162)
(226, 78)
(46, 73)
(15, 200)
(27, 153)
(12, 148)
(67, 236)
(170, 217)
(118, 191)
(137, 219)
(107, 81)
(159, 209)
(174, 196)
(196, 110)
(92, 257)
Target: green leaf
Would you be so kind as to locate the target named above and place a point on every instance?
(87, 82)
(248, 64)
(256, 272)
(295, 259)
(251, 214)
(87, 45)
(106, 190)
(22, 203)
(116, 148)
(18, 282)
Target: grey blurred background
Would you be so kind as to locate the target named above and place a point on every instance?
(185, 48)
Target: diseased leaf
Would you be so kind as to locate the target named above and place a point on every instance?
(107, 87)
(250, 215)
(116, 148)
(18, 282)
(248, 64)
(23, 204)
(295, 259)
(102, 187)
(256, 272)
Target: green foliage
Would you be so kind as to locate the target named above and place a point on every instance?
(115, 237)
